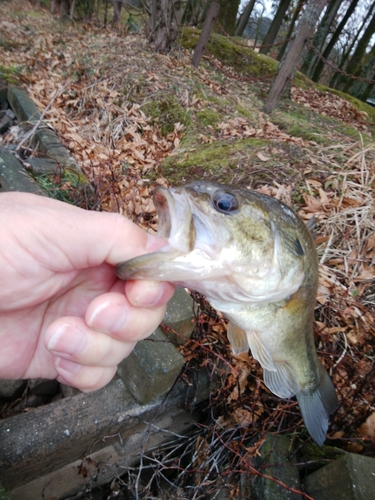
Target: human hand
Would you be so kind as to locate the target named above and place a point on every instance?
(63, 312)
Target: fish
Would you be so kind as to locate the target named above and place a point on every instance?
(255, 261)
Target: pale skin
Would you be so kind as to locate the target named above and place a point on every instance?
(63, 312)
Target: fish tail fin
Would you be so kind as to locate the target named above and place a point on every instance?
(317, 405)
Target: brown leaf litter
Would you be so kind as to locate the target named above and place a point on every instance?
(106, 79)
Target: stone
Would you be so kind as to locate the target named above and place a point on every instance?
(3, 93)
(13, 177)
(10, 113)
(23, 107)
(274, 462)
(351, 477)
(30, 401)
(5, 123)
(11, 389)
(43, 386)
(152, 368)
(179, 317)
(69, 392)
(42, 166)
(42, 451)
(44, 138)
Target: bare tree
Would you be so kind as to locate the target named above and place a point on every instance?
(296, 14)
(361, 89)
(227, 14)
(162, 26)
(244, 19)
(335, 36)
(116, 12)
(321, 34)
(355, 63)
(293, 53)
(275, 26)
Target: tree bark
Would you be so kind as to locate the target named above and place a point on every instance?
(320, 37)
(275, 26)
(296, 14)
(320, 64)
(355, 62)
(244, 19)
(359, 89)
(294, 52)
(205, 33)
(116, 12)
(227, 15)
(162, 27)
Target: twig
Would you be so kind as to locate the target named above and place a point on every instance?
(31, 132)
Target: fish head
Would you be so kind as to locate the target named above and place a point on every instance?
(223, 242)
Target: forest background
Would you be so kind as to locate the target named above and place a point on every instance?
(115, 80)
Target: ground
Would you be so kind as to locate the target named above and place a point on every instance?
(133, 118)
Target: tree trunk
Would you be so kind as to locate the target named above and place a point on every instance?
(367, 90)
(205, 34)
(72, 7)
(337, 76)
(359, 88)
(244, 19)
(162, 27)
(275, 26)
(355, 62)
(294, 52)
(228, 14)
(116, 13)
(320, 64)
(296, 14)
(89, 11)
(320, 37)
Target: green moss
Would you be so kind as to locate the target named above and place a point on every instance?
(220, 161)
(10, 73)
(70, 187)
(7, 44)
(208, 117)
(237, 55)
(3, 494)
(298, 121)
(165, 112)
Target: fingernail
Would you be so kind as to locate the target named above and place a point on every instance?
(149, 296)
(67, 340)
(109, 317)
(66, 366)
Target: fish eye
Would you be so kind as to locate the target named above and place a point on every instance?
(225, 202)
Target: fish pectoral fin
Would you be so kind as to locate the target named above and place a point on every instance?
(282, 381)
(259, 352)
(237, 338)
(316, 406)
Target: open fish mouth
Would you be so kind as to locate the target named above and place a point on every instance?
(176, 224)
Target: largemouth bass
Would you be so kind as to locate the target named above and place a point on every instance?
(255, 261)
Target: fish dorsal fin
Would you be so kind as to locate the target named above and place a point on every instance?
(282, 381)
(259, 352)
(237, 338)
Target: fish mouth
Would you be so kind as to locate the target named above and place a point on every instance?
(176, 224)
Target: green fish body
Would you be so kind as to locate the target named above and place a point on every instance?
(255, 261)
